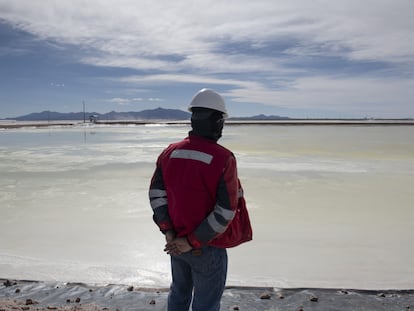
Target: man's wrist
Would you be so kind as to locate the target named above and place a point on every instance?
(193, 241)
(188, 241)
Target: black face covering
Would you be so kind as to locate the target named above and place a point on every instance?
(207, 123)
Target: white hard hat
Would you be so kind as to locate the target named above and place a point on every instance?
(207, 98)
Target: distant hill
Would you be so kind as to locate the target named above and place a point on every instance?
(150, 114)
(261, 117)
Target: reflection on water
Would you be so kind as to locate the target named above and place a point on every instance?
(331, 206)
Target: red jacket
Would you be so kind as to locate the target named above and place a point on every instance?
(194, 190)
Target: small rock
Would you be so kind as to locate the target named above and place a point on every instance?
(152, 302)
(314, 299)
(25, 308)
(343, 291)
(381, 295)
(7, 283)
(68, 300)
(17, 290)
(51, 308)
(29, 302)
(130, 288)
(235, 308)
(300, 308)
(265, 296)
(281, 296)
(77, 300)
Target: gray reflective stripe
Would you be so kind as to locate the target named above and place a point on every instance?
(192, 155)
(227, 214)
(215, 225)
(156, 193)
(158, 202)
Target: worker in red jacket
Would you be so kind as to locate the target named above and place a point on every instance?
(194, 194)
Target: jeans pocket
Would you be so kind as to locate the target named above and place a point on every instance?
(210, 260)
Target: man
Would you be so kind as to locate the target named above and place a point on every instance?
(194, 194)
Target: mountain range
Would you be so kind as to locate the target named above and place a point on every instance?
(150, 114)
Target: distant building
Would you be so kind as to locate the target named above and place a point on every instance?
(93, 118)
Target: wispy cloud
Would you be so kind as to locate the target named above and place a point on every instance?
(120, 101)
(129, 101)
(53, 84)
(371, 30)
(366, 96)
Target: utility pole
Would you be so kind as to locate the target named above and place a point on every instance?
(84, 114)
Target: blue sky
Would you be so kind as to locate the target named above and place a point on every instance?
(296, 58)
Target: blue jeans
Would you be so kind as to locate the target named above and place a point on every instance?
(203, 271)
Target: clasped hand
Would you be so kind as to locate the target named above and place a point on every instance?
(176, 246)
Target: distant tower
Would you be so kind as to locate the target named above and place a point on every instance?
(84, 113)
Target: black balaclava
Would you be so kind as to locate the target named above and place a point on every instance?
(207, 123)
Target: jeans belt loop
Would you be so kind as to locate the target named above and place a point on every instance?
(196, 252)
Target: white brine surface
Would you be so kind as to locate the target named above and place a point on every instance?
(331, 206)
